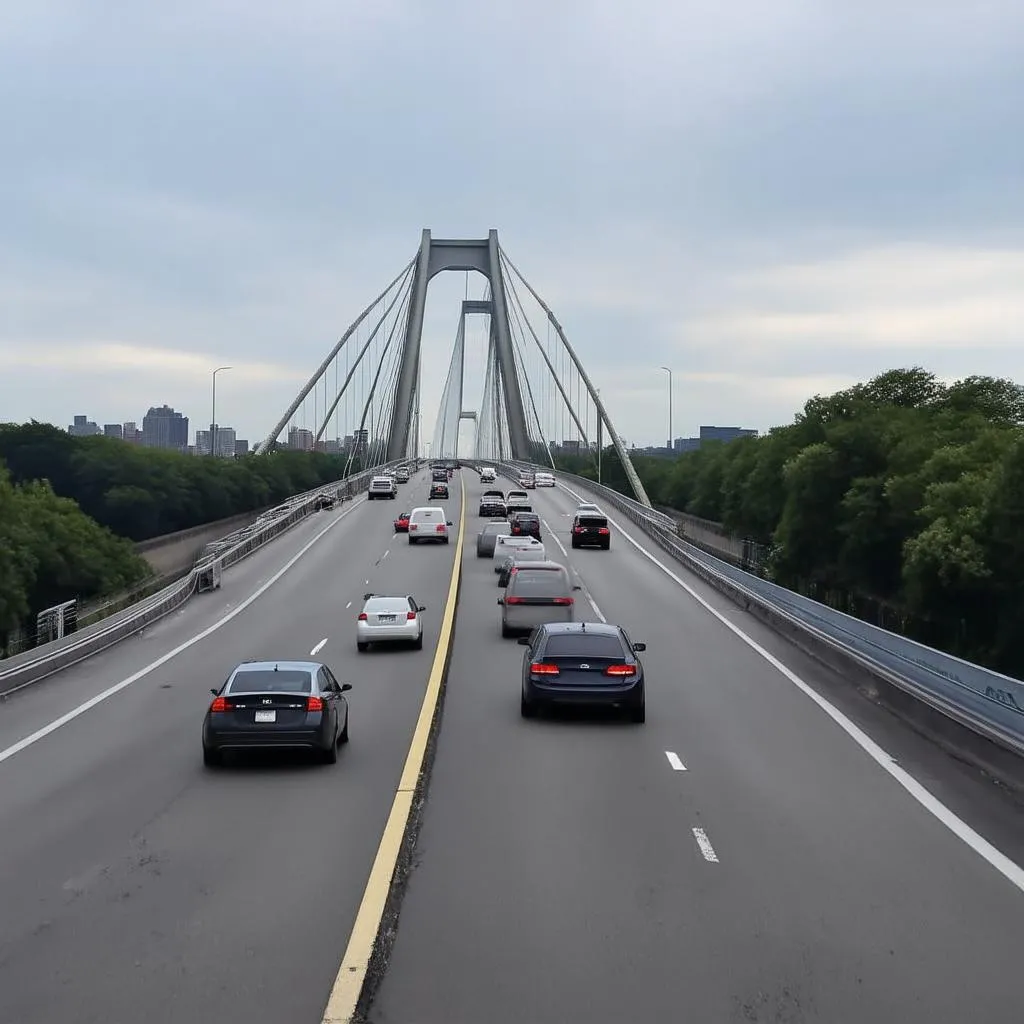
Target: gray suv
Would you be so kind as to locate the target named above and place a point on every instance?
(537, 593)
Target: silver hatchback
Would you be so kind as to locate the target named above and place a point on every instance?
(536, 593)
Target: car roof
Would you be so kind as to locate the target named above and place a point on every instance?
(545, 566)
(285, 666)
(428, 508)
(593, 628)
(367, 598)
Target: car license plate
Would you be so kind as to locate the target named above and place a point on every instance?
(266, 716)
(386, 618)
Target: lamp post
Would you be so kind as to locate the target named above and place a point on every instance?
(213, 411)
(669, 372)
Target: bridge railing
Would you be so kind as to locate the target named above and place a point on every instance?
(44, 660)
(985, 701)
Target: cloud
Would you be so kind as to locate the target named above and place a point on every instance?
(773, 199)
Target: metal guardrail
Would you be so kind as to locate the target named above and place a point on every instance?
(52, 657)
(985, 701)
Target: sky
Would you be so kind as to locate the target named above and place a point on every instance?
(772, 199)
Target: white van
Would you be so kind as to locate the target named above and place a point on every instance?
(506, 544)
(428, 523)
(382, 487)
(487, 475)
(544, 480)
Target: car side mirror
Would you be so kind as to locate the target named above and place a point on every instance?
(450, 523)
(577, 587)
(216, 693)
(422, 608)
(345, 687)
(639, 647)
(501, 600)
(523, 641)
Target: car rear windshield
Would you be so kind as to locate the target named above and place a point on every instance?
(593, 522)
(387, 605)
(527, 517)
(583, 645)
(540, 583)
(263, 681)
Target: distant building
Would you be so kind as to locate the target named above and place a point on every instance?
(241, 448)
(725, 433)
(300, 439)
(113, 430)
(162, 427)
(361, 443)
(333, 447)
(226, 446)
(685, 444)
(131, 433)
(83, 427)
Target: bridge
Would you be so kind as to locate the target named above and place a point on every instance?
(784, 839)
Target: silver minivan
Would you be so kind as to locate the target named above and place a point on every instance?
(536, 593)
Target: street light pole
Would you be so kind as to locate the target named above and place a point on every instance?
(669, 372)
(213, 411)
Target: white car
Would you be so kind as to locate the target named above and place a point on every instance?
(389, 620)
(428, 523)
(544, 480)
(508, 545)
(487, 475)
(526, 480)
(382, 487)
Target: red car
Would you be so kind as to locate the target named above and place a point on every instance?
(402, 523)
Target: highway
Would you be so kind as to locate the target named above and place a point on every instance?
(738, 858)
(135, 885)
(742, 857)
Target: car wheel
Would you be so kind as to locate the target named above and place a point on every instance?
(343, 735)
(418, 642)
(505, 631)
(412, 540)
(446, 540)
(638, 714)
(329, 755)
(362, 648)
(527, 709)
(211, 757)
(573, 542)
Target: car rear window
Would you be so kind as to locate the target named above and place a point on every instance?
(540, 583)
(263, 681)
(593, 521)
(583, 645)
(527, 517)
(387, 605)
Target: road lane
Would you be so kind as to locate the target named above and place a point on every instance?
(136, 885)
(567, 871)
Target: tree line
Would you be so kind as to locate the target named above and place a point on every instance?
(900, 500)
(71, 508)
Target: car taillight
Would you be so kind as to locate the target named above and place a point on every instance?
(440, 528)
(412, 526)
(410, 616)
(516, 529)
(565, 600)
(314, 704)
(220, 704)
(541, 668)
(577, 529)
(363, 617)
(603, 531)
(620, 670)
(514, 600)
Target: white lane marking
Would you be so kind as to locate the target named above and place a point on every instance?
(673, 759)
(1010, 870)
(705, 845)
(385, 555)
(367, 582)
(349, 605)
(319, 647)
(74, 713)
(593, 604)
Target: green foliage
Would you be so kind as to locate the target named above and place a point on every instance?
(140, 493)
(901, 496)
(50, 552)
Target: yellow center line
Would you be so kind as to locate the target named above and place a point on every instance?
(348, 985)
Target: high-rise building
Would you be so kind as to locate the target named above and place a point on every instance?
(131, 433)
(162, 427)
(113, 430)
(300, 439)
(361, 443)
(241, 448)
(225, 445)
(333, 447)
(83, 427)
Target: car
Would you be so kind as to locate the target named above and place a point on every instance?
(543, 480)
(487, 475)
(526, 480)
(507, 545)
(381, 487)
(500, 495)
(524, 524)
(389, 619)
(402, 475)
(537, 593)
(438, 490)
(582, 663)
(518, 498)
(491, 508)
(439, 476)
(488, 535)
(402, 522)
(590, 529)
(290, 704)
(587, 506)
(520, 558)
(428, 523)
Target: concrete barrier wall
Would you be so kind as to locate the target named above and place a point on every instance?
(175, 552)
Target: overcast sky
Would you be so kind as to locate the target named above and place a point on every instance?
(773, 198)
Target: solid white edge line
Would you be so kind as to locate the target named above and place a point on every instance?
(349, 605)
(1010, 870)
(319, 647)
(385, 555)
(705, 846)
(74, 713)
(673, 759)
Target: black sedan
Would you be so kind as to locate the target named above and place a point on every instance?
(582, 663)
(294, 704)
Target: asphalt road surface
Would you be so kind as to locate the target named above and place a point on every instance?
(738, 858)
(136, 886)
